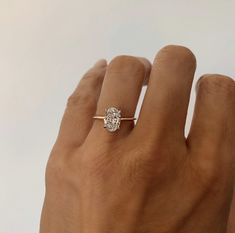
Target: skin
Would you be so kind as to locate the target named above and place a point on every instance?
(144, 178)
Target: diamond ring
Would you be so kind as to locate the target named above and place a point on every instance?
(112, 119)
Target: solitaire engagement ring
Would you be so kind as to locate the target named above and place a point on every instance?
(112, 119)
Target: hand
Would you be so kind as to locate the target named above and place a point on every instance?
(144, 178)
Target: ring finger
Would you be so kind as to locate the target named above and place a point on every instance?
(121, 88)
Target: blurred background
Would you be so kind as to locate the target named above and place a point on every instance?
(46, 46)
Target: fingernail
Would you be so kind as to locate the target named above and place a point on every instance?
(101, 63)
(198, 82)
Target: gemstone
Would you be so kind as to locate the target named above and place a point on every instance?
(112, 119)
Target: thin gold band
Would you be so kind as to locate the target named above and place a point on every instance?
(122, 118)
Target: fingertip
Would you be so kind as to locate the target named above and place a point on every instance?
(223, 81)
(146, 62)
(101, 63)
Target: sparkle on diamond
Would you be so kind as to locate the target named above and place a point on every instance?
(112, 119)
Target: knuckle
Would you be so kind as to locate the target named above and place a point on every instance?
(126, 64)
(209, 178)
(215, 83)
(62, 167)
(177, 53)
(147, 164)
(208, 171)
(55, 170)
(97, 165)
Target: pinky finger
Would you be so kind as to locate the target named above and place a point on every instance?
(81, 106)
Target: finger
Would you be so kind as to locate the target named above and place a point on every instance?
(121, 89)
(166, 101)
(213, 125)
(231, 222)
(81, 106)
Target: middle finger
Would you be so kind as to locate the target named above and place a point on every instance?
(166, 101)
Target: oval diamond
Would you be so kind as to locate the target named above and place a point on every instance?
(112, 119)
